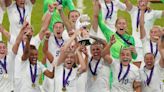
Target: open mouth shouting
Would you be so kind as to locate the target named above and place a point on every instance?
(121, 29)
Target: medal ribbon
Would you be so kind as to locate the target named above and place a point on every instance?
(20, 15)
(138, 16)
(57, 42)
(126, 73)
(109, 14)
(151, 47)
(148, 80)
(65, 81)
(4, 65)
(95, 70)
(126, 41)
(33, 75)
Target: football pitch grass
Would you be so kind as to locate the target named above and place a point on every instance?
(36, 18)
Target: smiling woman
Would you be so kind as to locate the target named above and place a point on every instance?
(123, 39)
(21, 11)
(66, 76)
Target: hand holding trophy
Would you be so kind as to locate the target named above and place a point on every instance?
(82, 24)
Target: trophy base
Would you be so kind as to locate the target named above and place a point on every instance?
(85, 42)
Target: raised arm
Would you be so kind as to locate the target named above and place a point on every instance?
(128, 5)
(19, 38)
(68, 43)
(44, 59)
(65, 48)
(47, 17)
(46, 52)
(96, 9)
(142, 28)
(85, 52)
(5, 32)
(49, 73)
(161, 50)
(106, 51)
(8, 2)
(46, 20)
(107, 58)
(26, 50)
(107, 47)
(44, 28)
(81, 61)
(64, 19)
(104, 28)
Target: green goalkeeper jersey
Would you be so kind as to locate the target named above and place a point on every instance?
(124, 40)
(56, 16)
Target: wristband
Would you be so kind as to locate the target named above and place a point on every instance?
(50, 12)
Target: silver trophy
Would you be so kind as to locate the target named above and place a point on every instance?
(82, 24)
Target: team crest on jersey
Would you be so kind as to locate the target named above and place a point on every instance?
(124, 81)
(68, 83)
(57, 53)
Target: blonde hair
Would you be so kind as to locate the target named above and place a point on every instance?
(96, 43)
(124, 49)
(119, 18)
(156, 26)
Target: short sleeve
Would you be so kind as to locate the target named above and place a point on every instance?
(157, 14)
(36, 41)
(92, 32)
(24, 63)
(105, 62)
(78, 74)
(121, 6)
(28, 2)
(12, 40)
(134, 8)
(136, 74)
(29, 5)
(10, 8)
(160, 68)
(114, 63)
(42, 67)
(11, 62)
(143, 40)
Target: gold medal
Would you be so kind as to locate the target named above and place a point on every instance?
(5, 76)
(94, 77)
(64, 89)
(33, 85)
